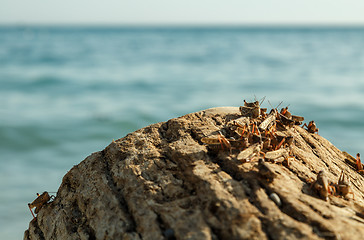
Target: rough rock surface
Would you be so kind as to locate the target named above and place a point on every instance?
(162, 182)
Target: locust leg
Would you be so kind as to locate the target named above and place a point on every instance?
(221, 143)
(31, 210)
(253, 128)
(332, 190)
(241, 131)
(310, 181)
(257, 130)
(280, 144)
(224, 142)
(352, 194)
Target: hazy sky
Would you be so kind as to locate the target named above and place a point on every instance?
(182, 12)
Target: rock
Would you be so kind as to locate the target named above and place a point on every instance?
(162, 182)
(275, 198)
(265, 170)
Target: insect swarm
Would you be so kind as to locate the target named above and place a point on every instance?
(39, 202)
(255, 136)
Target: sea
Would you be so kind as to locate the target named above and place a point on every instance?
(68, 91)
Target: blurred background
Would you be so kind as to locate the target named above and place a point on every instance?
(73, 79)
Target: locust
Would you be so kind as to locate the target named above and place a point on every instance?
(297, 119)
(250, 109)
(321, 185)
(269, 121)
(359, 165)
(286, 113)
(311, 127)
(250, 153)
(343, 185)
(277, 155)
(39, 202)
(239, 126)
(220, 140)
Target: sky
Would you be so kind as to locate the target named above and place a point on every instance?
(182, 12)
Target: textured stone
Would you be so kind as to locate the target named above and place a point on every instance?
(162, 182)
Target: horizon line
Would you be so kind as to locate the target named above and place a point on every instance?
(188, 25)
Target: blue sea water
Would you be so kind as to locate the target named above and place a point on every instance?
(66, 92)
